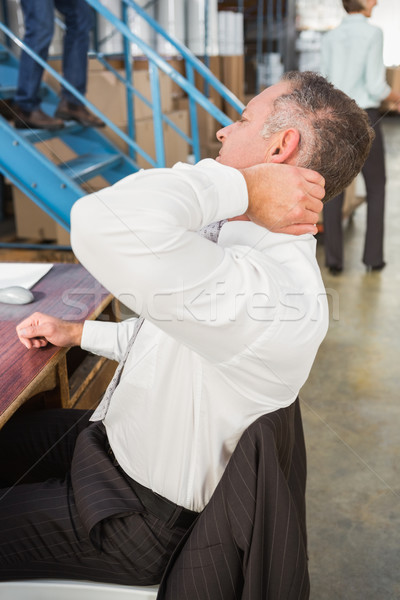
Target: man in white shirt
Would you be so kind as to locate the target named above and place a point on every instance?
(230, 333)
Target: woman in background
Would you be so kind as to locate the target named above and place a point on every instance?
(352, 59)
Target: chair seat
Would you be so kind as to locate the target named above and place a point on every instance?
(49, 589)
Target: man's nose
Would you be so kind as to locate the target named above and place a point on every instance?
(221, 133)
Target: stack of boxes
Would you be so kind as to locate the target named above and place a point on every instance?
(393, 79)
(308, 46)
(318, 15)
(228, 67)
(108, 93)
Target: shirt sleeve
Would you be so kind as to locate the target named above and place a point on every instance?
(139, 239)
(375, 77)
(107, 339)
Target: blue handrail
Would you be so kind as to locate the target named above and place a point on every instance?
(73, 91)
(164, 66)
(128, 85)
(195, 96)
(189, 57)
(100, 57)
(156, 63)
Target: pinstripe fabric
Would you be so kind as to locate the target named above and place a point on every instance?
(249, 543)
(89, 525)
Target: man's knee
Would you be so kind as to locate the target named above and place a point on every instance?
(39, 29)
(78, 16)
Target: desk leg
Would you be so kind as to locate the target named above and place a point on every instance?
(63, 383)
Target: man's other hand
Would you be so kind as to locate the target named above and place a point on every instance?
(38, 330)
(284, 198)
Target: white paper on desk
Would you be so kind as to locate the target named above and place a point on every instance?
(24, 274)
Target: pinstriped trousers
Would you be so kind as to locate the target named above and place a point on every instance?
(67, 512)
(250, 541)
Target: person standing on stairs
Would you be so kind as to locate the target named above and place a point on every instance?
(39, 29)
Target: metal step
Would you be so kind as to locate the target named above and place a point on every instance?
(87, 166)
(7, 92)
(41, 135)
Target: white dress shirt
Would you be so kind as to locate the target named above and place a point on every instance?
(352, 59)
(231, 329)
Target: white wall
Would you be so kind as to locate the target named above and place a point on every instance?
(387, 16)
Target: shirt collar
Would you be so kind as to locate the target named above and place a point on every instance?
(247, 233)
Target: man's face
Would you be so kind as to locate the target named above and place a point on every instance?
(242, 142)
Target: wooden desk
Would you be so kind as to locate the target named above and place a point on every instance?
(68, 291)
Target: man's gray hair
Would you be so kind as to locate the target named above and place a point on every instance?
(335, 134)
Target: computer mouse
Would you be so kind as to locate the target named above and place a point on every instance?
(16, 294)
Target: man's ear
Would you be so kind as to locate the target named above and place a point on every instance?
(284, 146)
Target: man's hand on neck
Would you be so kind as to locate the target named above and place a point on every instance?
(283, 198)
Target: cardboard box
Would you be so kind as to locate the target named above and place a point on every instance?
(232, 76)
(94, 184)
(55, 64)
(108, 94)
(180, 103)
(56, 150)
(33, 223)
(176, 148)
(208, 127)
(215, 68)
(94, 65)
(393, 79)
(177, 63)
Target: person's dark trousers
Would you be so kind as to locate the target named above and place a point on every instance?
(333, 232)
(375, 180)
(39, 29)
(43, 530)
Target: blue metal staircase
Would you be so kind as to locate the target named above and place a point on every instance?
(55, 188)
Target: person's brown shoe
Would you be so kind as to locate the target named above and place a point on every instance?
(36, 119)
(6, 109)
(77, 112)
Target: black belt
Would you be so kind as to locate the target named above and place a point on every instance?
(162, 508)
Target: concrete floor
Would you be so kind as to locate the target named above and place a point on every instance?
(351, 413)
